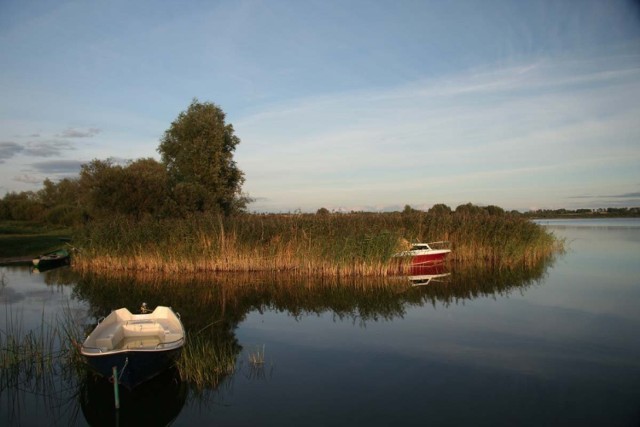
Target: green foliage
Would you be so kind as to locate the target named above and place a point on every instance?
(138, 188)
(198, 174)
(408, 209)
(23, 206)
(440, 209)
(198, 153)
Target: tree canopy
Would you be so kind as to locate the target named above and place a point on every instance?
(197, 174)
(197, 151)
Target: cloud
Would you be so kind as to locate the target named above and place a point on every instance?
(28, 179)
(47, 148)
(34, 149)
(59, 166)
(564, 125)
(8, 150)
(79, 133)
(628, 196)
(635, 195)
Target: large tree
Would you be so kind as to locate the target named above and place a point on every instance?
(198, 152)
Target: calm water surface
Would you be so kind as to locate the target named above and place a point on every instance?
(555, 346)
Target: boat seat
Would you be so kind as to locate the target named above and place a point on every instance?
(145, 329)
(111, 337)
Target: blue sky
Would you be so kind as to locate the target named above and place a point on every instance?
(346, 104)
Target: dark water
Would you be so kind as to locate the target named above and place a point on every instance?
(555, 345)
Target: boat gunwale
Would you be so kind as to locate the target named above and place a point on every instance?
(173, 319)
(170, 345)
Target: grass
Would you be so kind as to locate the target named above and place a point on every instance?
(204, 364)
(256, 357)
(31, 359)
(359, 244)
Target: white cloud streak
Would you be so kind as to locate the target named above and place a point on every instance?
(547, 122)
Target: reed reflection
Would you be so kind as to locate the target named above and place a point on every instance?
(213, 305)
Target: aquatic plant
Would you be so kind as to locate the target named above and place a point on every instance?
(205, 364)
(357, 244)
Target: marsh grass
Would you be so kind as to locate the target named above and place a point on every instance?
(359, 244)
(256, 357)
(205, 364)
(37, 359)
(40, 360)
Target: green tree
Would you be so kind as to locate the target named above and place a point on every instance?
(198, 153)
(144, 188)
(99, 186)
(440, 209)
(136, 189)
(408, 209)
(494, 210)
(61, 201)
(470, 209)
(23, 206)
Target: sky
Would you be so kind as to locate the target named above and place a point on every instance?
(343, 104)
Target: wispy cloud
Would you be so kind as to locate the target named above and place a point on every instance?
(8, 150)
(79, 133)
(550, 123)
(34, 149)
(47, 148)
(628, 196)
(28, 179)
(58, 166)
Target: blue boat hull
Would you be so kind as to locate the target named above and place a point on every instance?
(134, 367)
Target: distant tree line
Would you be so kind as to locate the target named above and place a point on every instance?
(492, 210)
(197, 174)
(442, 209)
(584, 213)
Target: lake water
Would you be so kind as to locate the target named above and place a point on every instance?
(557, 345)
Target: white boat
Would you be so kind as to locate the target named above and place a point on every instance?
(425, 254)
(140, 346)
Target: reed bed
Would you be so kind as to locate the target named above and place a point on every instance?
(31, 359)
(204, 364)
(359, 244)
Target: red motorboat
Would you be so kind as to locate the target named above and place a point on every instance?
(424, 254)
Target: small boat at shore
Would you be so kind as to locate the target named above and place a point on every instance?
(140, 346)
(52, 259)
(425, 253)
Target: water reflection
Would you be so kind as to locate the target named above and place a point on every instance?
(422, 275)
(217, 303)
(157, 402)
(213, 306)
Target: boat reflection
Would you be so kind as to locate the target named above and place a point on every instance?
(158, 401)
(422, 275)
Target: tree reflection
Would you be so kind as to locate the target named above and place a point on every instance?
(213, 305)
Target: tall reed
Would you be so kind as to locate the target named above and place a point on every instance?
(356, 244)
(205, 364)
(31, 359)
